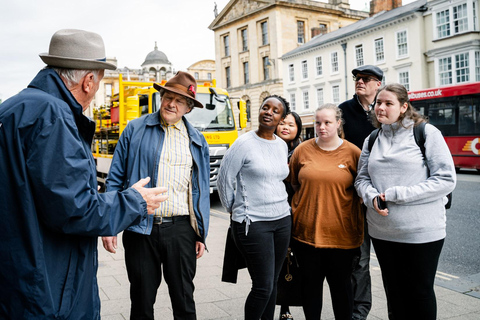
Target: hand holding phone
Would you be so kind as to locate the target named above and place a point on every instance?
(382, 205)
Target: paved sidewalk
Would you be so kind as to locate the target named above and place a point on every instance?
(219, 300)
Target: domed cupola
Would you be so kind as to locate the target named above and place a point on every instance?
(156, 65)
(156, 57)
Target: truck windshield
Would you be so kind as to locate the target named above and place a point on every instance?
(216, 114)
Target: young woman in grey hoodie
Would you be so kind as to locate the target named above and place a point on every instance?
(405, 196)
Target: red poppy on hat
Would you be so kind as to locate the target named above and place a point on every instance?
(191, 89)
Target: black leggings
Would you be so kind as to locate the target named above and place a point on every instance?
(335, 265)
(264, 249)
(408, 273)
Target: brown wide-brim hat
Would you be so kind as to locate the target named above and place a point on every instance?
(183, 83)
(77, 49)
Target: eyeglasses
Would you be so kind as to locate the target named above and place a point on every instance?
(365, 79)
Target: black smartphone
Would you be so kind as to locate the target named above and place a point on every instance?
(382, 205)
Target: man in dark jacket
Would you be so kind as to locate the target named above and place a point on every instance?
(167, 147)
(356, 114)
(50, 210)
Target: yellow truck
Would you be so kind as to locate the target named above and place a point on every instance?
(216, 121)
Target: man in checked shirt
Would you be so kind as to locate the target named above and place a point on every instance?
(165, 146)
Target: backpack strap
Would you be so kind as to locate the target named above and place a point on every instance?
(419, 135)
(372, 138)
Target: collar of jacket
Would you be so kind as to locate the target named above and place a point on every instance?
(196, 137)
(50, 82)
(371, 106)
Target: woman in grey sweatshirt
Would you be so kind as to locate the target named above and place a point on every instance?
(250, 186)
(405, 196)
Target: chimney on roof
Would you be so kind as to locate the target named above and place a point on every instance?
(383, 5)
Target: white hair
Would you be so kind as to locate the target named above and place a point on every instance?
(71, 77)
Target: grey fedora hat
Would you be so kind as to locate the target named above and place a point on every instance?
(77, 49)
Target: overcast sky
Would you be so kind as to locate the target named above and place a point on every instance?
(129, 30)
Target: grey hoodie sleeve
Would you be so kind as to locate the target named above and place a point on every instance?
(442, 177)
(363, 183)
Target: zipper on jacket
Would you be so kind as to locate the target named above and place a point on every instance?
(200, 196)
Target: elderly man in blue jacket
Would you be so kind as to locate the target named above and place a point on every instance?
(165, 146)
(51, 214)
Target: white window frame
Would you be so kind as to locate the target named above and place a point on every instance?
(320, 97)
(318, 66)
(401, 55)
(359, 59)
(477, 65)
(306, 99)
(304, 70)
(401, 76)
(379, 55)
(334, 62)
(462, 63)
(450, 21)
(336, 93)
(445, 71)
(293, 103)
(465, 67)
(291, 72)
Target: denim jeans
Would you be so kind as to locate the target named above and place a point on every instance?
(264, 249)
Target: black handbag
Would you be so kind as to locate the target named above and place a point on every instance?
(289, 282)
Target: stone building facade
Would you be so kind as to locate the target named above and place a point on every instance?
(251, 36)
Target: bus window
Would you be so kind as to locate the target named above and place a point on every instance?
(442, 113)
(468, 116)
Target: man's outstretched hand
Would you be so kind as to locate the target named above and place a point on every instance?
(153, 196)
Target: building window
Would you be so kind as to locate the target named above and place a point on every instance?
(318, 66)
(460, 18)
(209, 76)
(320, 97)
(379, 52)
(249, 115)
(292, 101)
(306, 104)
(336, 94)
(301, 31)
(246, 76)
(227, 77)
(264, 27)
(445, 71)
(334, 61)
(266, 74)
(443, 23)
(359, 55)
(404, 79)
(455, 19)
(291, 73)
(477, 65)
(461, 67)
(304, 69)
(402, 46)
(244, 34)
(108, 89)
(196, 76)
(226, 45)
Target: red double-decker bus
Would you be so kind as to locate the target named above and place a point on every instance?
(455, 110)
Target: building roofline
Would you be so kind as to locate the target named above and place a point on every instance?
(341, 35)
